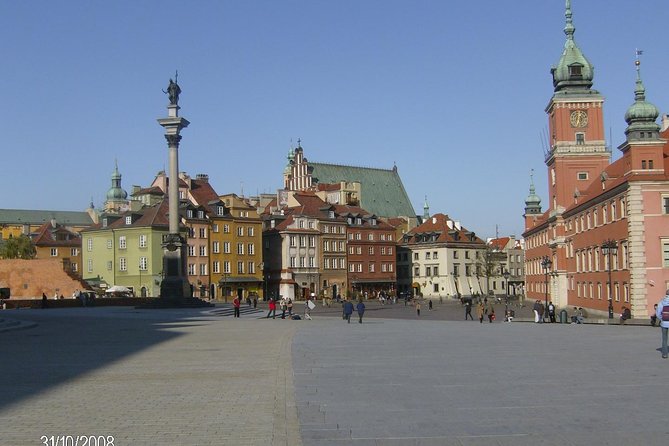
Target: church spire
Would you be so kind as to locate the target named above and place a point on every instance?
(573, 71)
(426, 210)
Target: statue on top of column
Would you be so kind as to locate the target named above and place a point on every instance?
(173, 91)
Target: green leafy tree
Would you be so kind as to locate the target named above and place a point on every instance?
(18, 248)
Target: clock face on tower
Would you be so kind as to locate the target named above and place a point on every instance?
(578, 119)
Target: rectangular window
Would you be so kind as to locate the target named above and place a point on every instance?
(203, 251)
(416, 271)
(580, 139)
(226, 229)
(455, 254)
(121, 242)
(359, 267)
(292, 241)
(128, 220)
(191, 269)
(226, 247)
(143, 263)
(216, 247)
(312, 241)
(251, 267)
(371, 250)
(54, 252)
(370, 236)
(90, 265)
(303, 241)
(227, 268)
(665, 206)
(435, 269)
(303, 262)
(214, 227)
(351, 268)
(240, 231)
(326, 264)
(582, 176)
(351, 250)
(371, 267)
(220, 211)
(358, 250)
(341, 246)
(251, 249)
(665, 253)
(293, 262)
(383, 250)
(110, 265)
(89, 244)
(643, 164)
(384, 268)
(240, 267)
(427, 255)
(250, 231)
(216, 266)
(122, 265)
(203, 232)
(240, 248)
(428, 271)
(142, 241)
(191, 251)
(312, 262)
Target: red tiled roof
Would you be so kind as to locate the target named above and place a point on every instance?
(499, 243)
(45, 236)
(438, 224)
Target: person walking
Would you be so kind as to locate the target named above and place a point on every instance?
(662, 314)
(417, 307)
(429, 305)
(308, 306)
(348, 310)
(480, 311)
(255, 302)
(490, 311)
(468, 310)
(283, 306)
(236, 304)
(272, 309)
(535, 308)
(290, 307)
(551, 312)
(361, 310)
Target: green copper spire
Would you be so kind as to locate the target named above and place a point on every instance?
(641, 115)
(426, 210)
(573, 71)
(533, 202)
(116, 192)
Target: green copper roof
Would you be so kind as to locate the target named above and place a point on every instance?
(116, 192)
(37, 217)
(382, 192)
(533, 201)
(573, 71)
(641, 115)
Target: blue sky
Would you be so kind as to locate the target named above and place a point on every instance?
(452, 92)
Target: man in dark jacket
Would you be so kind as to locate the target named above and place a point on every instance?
(361, 310)
(348, 310)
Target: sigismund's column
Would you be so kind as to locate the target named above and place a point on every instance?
(175, 284)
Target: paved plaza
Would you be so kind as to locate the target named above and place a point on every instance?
(202, 377)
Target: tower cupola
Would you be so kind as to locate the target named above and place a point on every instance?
(532, 202)
(116, 192)
(641, 115)
(573, 71)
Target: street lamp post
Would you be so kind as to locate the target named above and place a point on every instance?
(609, 247)
(506, 300)
(546, 264)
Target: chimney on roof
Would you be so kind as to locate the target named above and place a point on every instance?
(135, 189)
(202, 177)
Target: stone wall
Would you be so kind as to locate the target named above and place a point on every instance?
(28, 279)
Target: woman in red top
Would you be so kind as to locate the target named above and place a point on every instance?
(272, 309)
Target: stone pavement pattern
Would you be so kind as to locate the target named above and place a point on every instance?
(409, 382)
(160, 377)
(192, 377)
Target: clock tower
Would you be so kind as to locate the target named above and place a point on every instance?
(578, 151)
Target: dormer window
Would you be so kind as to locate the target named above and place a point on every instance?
(350, 220)
(200, 214)
(128, 220)
(576, 70)
(105, 222)
(358, 221)
(189, 213)
(373, 222)
(331, 214)
(220, 210)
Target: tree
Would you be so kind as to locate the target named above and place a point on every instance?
(487, 264)
(18, 248)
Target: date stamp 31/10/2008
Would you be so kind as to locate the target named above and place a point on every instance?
(77, 440)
